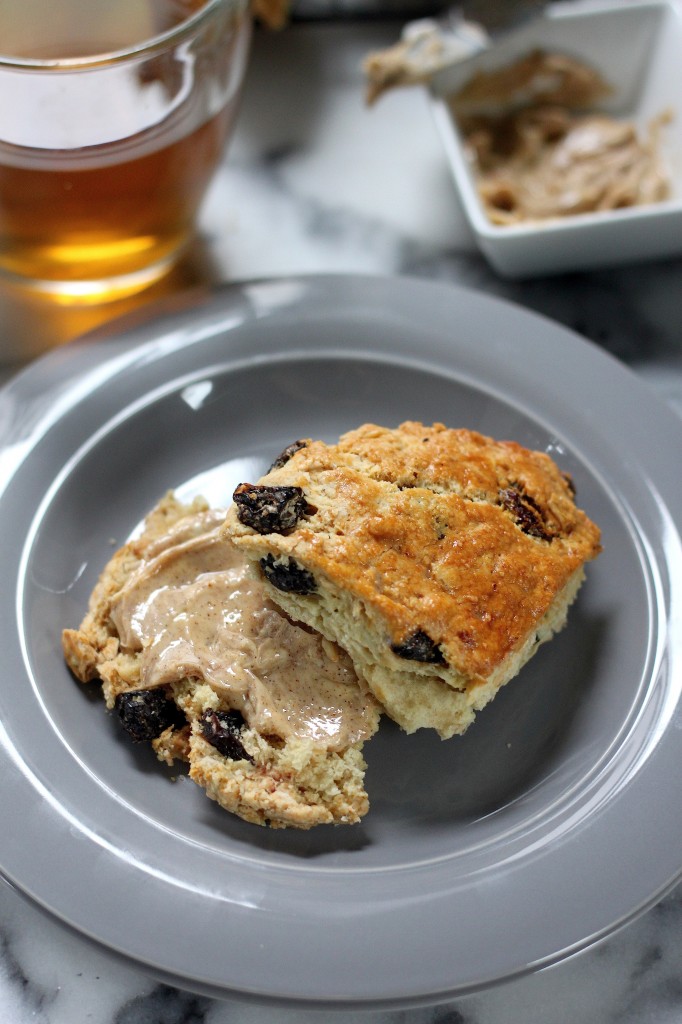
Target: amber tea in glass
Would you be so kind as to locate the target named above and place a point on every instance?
(115, 116)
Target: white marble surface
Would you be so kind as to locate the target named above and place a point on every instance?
(314, 183)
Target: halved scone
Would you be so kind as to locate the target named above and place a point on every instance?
(439, 559)
(195, 658)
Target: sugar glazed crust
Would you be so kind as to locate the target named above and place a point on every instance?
(264, 779)
(440, 559)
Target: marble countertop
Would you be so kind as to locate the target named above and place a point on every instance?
(315, 182)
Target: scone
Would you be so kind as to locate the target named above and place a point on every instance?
(439, 559)
(194, 658)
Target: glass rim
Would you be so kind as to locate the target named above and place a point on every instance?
(148, 46)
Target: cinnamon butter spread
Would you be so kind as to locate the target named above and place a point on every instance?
(193, 610)
(539, 150)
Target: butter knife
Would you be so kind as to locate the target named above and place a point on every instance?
(428, 45)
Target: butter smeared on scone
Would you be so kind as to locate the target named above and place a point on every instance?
(439, 559)
(197, 660)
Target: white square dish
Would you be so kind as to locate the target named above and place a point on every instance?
(637, 48)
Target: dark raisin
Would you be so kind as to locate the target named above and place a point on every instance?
(270, 509)
(145, 714)
(288, 576)
(526, 512)
(222, 729)
(419, 647)
(284, 456)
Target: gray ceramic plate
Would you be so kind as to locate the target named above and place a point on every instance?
(557, 818)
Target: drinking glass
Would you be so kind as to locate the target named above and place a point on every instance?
(114, 117)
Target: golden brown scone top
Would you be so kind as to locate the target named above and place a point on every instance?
(438, 531)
